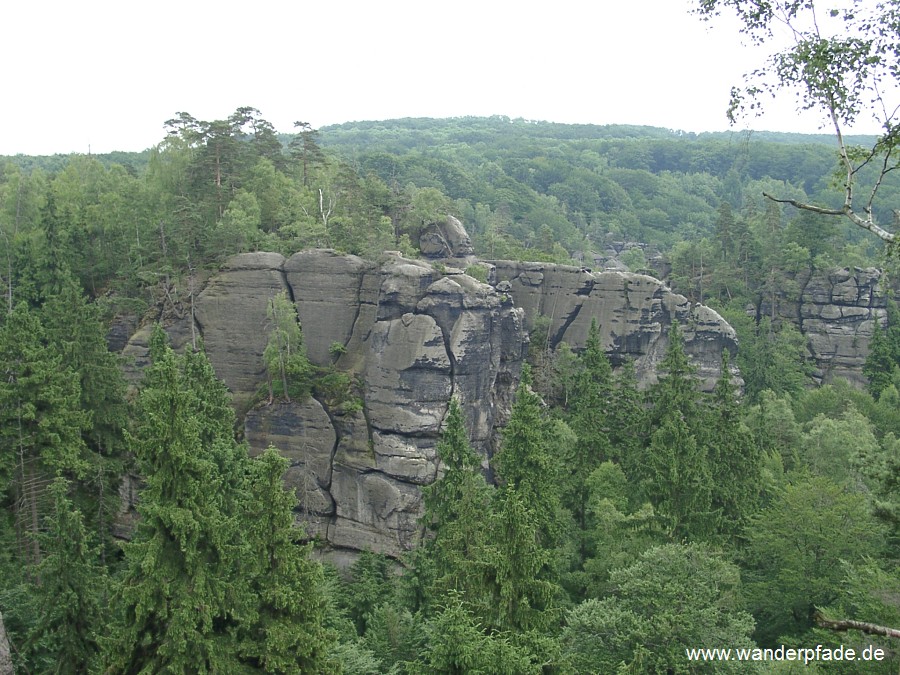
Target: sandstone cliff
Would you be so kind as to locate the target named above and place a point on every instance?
(836, 312)
(413, 333)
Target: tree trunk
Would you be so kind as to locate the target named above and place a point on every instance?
(6, 664)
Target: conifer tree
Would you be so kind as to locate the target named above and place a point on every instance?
(589, 420)
(626, 415)
(287, 634)
(526, 527)
(734, 459)
(74, 327)
(40, 421)
(68, 596)
(881, 361)
(456, 508)
(521, 565)
(673, 471)
(525, 463)
(180, 596)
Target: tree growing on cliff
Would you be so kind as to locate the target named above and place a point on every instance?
(287, 365)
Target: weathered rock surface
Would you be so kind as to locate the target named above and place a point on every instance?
(414, 336)
(836, 312)
(633, 312)
(446, 240)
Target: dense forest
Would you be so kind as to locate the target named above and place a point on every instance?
(614, 528)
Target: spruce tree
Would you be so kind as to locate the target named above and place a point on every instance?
(589, 419)
(881, 361)
(75, 328)
(455, 508)
(40, 421)
(734, 459)
(69, 594)
(525, 463)
(526, 526)
(180, 597)
(673, 470)
(287, 632)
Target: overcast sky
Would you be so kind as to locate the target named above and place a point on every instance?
(105, 75)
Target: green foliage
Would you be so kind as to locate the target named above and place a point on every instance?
(795, 547)
(838, 64)
(41, 420)
(591, 399)
(68, 593)
(883, 359)
(479, 272)
(456, 643)
(287, 632)
(289, 370)
(368, 588)
(673, 470)
(620, 532)
(734, 459)
(770, 358)
(672, 598)
(871, 591)
(181, 595)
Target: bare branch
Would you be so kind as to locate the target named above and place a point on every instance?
(847, 624)
(804, 206)
(867, 223)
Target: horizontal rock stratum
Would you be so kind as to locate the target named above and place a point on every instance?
(413, 334)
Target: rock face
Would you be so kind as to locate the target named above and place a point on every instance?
(836, 312)
(446, 240)
(413, 335)
(633, 312)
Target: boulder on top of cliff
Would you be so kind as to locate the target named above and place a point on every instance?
(446, 239)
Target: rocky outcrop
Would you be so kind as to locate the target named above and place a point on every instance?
(446, 240)
(413, 334)
(633, 312)
(836, 312)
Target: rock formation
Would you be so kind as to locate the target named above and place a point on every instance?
(412, 334)
(836, 312)
(633, 312)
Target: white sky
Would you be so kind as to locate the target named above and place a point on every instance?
(107, 74)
